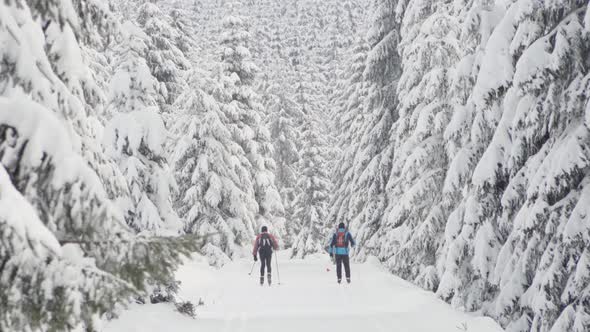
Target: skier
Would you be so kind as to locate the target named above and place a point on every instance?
(341, 240)
(264, 244)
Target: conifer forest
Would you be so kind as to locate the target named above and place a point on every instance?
(144, 143)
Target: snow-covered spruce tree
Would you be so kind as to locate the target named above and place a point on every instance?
(97, 24)
(340, 34)
(543, 232)
(284, 122)
(205, 17)
(348, 123)
(180, 21)
(45, 148)
(135, 137)
(311, 203)
(282, 116)
(98, 28)
(313, 72)
(467, 136)
(413, 224)
(349, 98)
(365, 200)
(242, 106)
(185, 32)
(216, 193)
(41, 280)
(32, 256)
(263, 15)
(508, 230)
(515, 241)
(347, 119)
(290, 38)
(166, 61)
(104, 262)
(84, 71)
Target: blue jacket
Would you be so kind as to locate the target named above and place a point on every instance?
(345, 250)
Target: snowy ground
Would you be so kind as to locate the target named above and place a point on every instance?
(308, 300)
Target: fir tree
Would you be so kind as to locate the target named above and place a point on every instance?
(245, 112)
(416, 216)
(284, 118)
(49, 157)
(166, 61)
(215, 186)
(313, 193)
(370, 167)
(135, 137)
(477, 208)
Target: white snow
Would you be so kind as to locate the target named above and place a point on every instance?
(46, 135)
(308, 299)
(25, 228)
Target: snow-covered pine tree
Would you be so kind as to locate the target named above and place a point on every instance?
(467, 136)
(205, 17)
(98, 28)
(282, 116)
(348, 123)
(291, 40)
(348, 99)
(180, 21)
(313, 186)
(216, 193)
(371, 164)
(135, 137)
(97, 24)
(46, 142)
(245, 112)
(84, 70)
(541, 232)
(59, 188)
(26, 247)
(413, 223)
(336, 44)
(105, 263)
(284, 119)
(167, 62)
(515, 238)
(508, 228)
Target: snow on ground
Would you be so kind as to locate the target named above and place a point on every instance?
(308, 299)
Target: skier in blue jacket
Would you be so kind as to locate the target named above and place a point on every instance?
(339, 247)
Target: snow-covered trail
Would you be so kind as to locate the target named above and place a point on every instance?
(308, 299)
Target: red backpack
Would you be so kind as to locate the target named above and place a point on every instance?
(341, 241)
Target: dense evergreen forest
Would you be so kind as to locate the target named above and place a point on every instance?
(451, 137)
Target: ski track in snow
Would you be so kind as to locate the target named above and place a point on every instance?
(308, 299)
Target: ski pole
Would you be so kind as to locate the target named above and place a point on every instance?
(252, 269)
(277, 265)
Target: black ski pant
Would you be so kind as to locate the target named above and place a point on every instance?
(265, 258)
(342, 259)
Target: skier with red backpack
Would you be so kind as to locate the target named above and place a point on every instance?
(264, 245)
(339, 247)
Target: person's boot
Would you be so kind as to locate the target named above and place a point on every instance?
(269, 279)
(339, 280)
(261, 280)
(348, 280)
